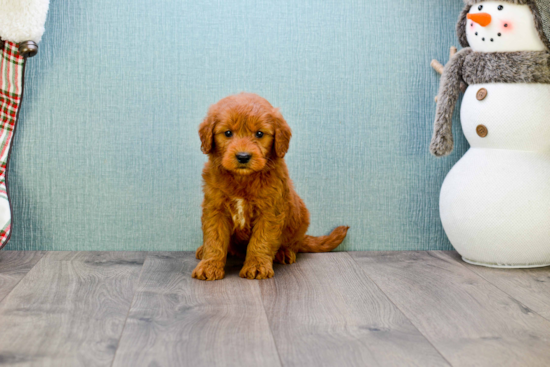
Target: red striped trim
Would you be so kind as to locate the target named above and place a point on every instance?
(11, 88)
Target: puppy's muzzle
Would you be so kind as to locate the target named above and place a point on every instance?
(243, 157)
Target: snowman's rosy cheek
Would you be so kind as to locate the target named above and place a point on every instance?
(506, 26)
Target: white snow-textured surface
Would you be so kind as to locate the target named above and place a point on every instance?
(495, 204)
(516, 115)
(520, 34)
(23, 20)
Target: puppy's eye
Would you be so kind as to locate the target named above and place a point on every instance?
(259, 134)
(229, 133)
(500, 7)
(480, 7)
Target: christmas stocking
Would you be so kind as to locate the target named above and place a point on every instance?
(21, 28)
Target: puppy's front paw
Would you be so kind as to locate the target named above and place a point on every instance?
(257, 270)
(208, 270)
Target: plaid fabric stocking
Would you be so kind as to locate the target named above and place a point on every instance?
(12, 69)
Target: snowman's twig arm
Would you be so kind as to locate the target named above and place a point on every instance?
(436, 65)
(449, 90)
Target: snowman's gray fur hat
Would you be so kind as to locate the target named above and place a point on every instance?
(539, 8)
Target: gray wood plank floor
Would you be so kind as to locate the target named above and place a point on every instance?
(469, 320)
(69, 310)
(531, 286)
(338, 309)
(179, 321)
(324, 307)
(14, 265)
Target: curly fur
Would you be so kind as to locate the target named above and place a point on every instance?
(461, 27)
(449, 90)
(507, 67)
(251, 208)
(542, 21)
(22, 20)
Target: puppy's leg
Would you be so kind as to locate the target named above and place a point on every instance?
(263, 246)
(216, 235)
(294, 233)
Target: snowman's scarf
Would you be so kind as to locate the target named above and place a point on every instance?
(480, 67)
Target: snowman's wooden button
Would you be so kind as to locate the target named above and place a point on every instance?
(481, 94)
(482, 131)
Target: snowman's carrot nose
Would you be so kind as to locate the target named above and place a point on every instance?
(483, 19)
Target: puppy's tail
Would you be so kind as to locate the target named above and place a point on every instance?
(324, 243)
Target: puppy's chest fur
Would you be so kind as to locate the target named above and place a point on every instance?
(242, 213)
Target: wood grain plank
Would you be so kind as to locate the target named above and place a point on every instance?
(469, 320)
(179, 321)
(324, 311)
(69, 310)
(529, 286)
(14, 265)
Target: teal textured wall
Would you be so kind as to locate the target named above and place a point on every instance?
(107, 157)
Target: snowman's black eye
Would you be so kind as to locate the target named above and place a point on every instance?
(500, 7)
(229, 133)
(259, 134)
(480, 7)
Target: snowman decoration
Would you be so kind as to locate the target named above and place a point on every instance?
(495, 202)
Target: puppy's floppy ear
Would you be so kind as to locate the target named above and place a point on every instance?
(206, 132)
(282, 134)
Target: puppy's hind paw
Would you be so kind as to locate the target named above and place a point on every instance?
(208, 271)
(285, 256)
(198, 253)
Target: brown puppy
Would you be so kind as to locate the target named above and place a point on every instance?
(250, 206)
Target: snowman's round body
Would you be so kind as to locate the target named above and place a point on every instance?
(495, 202)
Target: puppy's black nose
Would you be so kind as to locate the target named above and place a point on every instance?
(243, 157)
